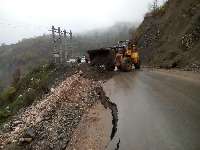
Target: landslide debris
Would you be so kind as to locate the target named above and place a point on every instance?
(50, 122)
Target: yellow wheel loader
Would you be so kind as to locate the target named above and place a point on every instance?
(124, 56)
(127, 56)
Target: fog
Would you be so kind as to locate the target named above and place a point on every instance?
(26, 18)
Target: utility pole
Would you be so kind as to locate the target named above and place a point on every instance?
(70, 34)
(59, 44)
(68, 44)
(54, 51)
(155, 5)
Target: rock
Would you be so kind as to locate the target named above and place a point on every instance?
(16, 129)
(6, 126)
(30, 133)
(15, 123)
(50, 122)
(14, 141)
(25, 140)
(80, 73)
(52, 90)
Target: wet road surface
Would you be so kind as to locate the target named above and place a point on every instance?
(157, 111)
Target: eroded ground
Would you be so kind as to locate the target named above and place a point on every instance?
(93, 131)
(147, 109)
(51, 122)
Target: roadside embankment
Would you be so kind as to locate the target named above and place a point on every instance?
(51, 122)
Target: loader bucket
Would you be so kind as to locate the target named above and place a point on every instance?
(102, 57)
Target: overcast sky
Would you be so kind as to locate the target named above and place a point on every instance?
(26, 18)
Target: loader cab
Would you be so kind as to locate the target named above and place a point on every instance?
(134, 49)
(129, 49)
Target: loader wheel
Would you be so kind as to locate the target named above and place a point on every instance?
(119, 67)
(126, 64)
(137, 66)
(110, 67)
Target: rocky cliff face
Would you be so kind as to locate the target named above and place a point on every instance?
(170, 36)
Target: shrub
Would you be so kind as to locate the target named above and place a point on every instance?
(4, 114)
(7, 95)
(23, 100)
(31, 87)
(16, 77)
(157, 10)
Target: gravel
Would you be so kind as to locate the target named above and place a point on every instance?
(49, 123)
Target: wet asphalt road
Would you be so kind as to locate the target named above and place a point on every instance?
(157, 111)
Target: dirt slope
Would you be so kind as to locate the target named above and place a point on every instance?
(93, 131)
(171, 36)
(50, 122)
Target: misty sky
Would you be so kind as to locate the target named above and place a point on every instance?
(26, 18)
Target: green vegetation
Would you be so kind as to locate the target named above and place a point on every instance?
(25, 77)
(7, 95)
(29, 88)
(23, 56)
(30, 53)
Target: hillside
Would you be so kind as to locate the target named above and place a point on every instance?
(104, 37)
(25, 55)
(169, 36)
(48, 121)
(30, 53)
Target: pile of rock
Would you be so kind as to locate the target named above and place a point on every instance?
(49, 123)
(195, 67)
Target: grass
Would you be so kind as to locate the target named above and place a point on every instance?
(28, 89)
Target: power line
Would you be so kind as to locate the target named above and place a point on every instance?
(60, 39)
